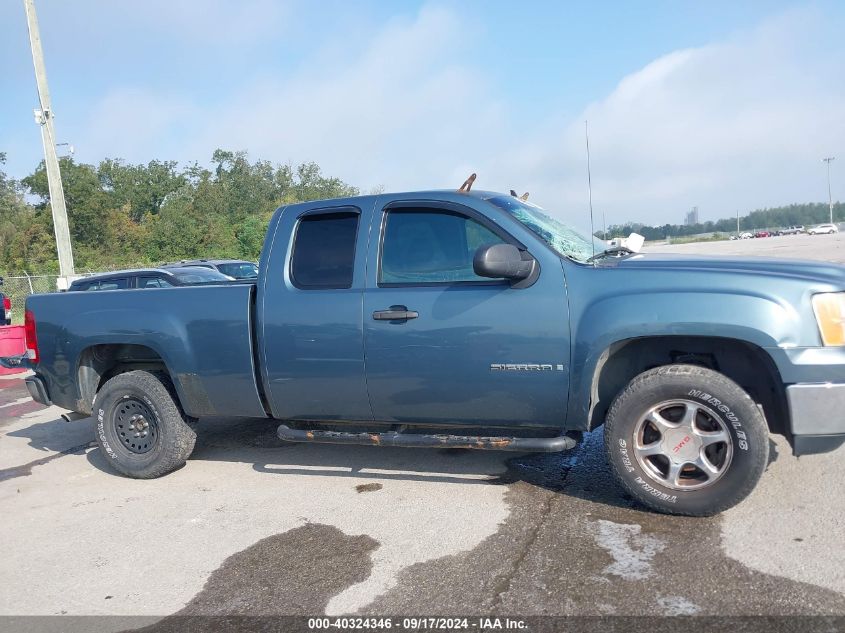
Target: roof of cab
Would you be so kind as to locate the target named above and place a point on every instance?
(451, 195)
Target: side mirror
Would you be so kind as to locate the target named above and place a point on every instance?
(501, 261)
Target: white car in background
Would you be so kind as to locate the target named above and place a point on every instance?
(822, 229)
(746, 235)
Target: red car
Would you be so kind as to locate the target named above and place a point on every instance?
(762, 234)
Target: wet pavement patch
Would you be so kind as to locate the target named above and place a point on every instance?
(26, 469)
(368, 487)
(293, 573)
(574, 544)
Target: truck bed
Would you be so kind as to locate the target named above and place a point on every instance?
(203, 334)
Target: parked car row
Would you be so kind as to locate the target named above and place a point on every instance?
(187, 273)
(821, 229)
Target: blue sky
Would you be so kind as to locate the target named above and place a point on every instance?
(721, 105)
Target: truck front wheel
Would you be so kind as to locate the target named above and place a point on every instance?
(684, 439)
(140, 426)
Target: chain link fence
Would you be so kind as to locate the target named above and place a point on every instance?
(19, 287)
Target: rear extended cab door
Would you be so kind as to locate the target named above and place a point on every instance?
(309, 311)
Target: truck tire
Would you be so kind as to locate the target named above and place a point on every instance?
(141, 428)
(684, 439)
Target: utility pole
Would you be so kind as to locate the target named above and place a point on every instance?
(44, 118)
(737, 222)
(829, 160)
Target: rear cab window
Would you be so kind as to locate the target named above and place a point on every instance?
(324, 250)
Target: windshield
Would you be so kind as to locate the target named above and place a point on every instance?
(239, 270)
(563, 239)
(196, 276)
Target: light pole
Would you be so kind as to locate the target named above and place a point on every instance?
(829, 160)
(44, 118)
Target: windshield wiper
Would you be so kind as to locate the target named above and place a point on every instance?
(614, 251)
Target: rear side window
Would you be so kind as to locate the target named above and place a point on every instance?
(324, 250)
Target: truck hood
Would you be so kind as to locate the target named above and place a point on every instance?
(814, 271)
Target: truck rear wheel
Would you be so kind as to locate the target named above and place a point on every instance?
(683, 439)
(140, 427)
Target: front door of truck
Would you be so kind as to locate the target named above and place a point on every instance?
(445, 346)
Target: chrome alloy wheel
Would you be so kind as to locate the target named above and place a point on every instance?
(683, 445)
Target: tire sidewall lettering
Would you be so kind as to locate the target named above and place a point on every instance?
(730, 417)
(101, 432)
(626, 458)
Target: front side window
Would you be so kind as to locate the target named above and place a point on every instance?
(429, 246)
(324, 251)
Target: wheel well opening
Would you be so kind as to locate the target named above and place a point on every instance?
(98, 363)
(744, 363)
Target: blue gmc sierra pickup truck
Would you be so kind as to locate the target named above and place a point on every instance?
(465, 319)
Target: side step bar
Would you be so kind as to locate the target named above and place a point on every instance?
(394, 438)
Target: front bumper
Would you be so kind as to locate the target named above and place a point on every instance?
(817, 414)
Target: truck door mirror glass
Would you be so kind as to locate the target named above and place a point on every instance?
(502, 261)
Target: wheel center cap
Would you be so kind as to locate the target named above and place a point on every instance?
(681, 445)
(138, 423)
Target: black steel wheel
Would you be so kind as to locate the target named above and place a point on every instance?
(140, 426)
(136, 425)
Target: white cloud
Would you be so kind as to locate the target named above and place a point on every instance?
(731, 125)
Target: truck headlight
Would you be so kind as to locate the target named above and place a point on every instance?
(830, 315)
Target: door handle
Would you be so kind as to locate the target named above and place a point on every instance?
(395, 313)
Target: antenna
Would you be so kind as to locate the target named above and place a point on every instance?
(590, 190)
